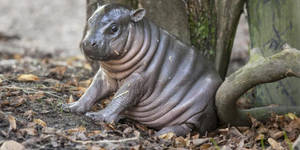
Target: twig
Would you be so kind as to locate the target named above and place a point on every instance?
(98, 142)
(26, 90)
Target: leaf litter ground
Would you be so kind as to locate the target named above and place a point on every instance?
(33, 86)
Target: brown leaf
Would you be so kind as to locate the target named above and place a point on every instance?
(19, 102)
(58, 71)
(274, 144)
(167, 136)
(198, 142)
(295, 124)
(76, 130)
(40, 122)
(29, 131)
(29, 114)
(276, 134)
(12, 122)
(180, 141)
(205, 146)
(36, 96)
(87, 66)
(12, 145)
(28, 77)
(71, 99)
(259, 137)
(85, 83)
(49, 130)
(93, 133)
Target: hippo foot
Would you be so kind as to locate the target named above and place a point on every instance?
(75, 107)
(103, 116)
(178, 130)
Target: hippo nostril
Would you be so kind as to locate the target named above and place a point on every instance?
(94, 45)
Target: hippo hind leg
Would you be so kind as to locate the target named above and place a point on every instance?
(179, 130)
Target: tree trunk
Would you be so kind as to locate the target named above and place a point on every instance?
(170, 15)
(272, 24)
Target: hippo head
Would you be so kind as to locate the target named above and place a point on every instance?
(108, 30)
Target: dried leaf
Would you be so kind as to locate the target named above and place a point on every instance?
(180, 141)
(19, 102)
(274, 144)
(76, 130)
(12, 122)
(167, 136)
(40, 122)
(291, 116)
(259, 137)
(277, 134)
(29, 131)
(12, 145)
(36, 96)
(71, 99)
(205, 146)
(198, 142)
(49, 130)
(94, 133)
(28, 77)
(85, 83)
(87, 66)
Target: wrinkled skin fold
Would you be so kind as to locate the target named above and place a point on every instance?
(157, 80)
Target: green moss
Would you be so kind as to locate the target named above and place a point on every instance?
(202, 28)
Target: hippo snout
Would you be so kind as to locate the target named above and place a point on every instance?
(91, 48)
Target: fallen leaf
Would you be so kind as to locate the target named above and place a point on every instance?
(259, 137)
(36, 96)
(19, 102)
(29, 114)
(180, 141)
(276, 134)
(167, 136)
(93, 133)
(274, 144)
(205, 146)
(49, 130)
(40, 122)
(87, 66)
(28, 77)
(71, 99)
(75, 130)
(29, 131)
(85, 83)
(198, 142)
(12, 122)
(291, 116)
(12, 145)
(1, 81)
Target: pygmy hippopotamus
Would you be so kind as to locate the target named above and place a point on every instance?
(158, 80)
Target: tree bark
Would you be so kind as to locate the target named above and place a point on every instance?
(259, 70)
(272, 24)
(228, 14)
(170, 15)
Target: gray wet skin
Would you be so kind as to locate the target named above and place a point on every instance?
(157, 80)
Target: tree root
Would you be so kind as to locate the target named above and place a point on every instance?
(259, 70)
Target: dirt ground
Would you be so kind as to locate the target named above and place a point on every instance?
(41, 68)
(33, 86)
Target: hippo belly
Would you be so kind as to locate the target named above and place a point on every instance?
(178, 80)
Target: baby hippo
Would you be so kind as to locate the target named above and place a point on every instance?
(156, 79)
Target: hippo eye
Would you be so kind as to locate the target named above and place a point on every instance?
(114, 28)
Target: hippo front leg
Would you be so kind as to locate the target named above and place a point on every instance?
(101, 86)
(128, 95)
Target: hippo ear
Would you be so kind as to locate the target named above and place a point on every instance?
(138, 14)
